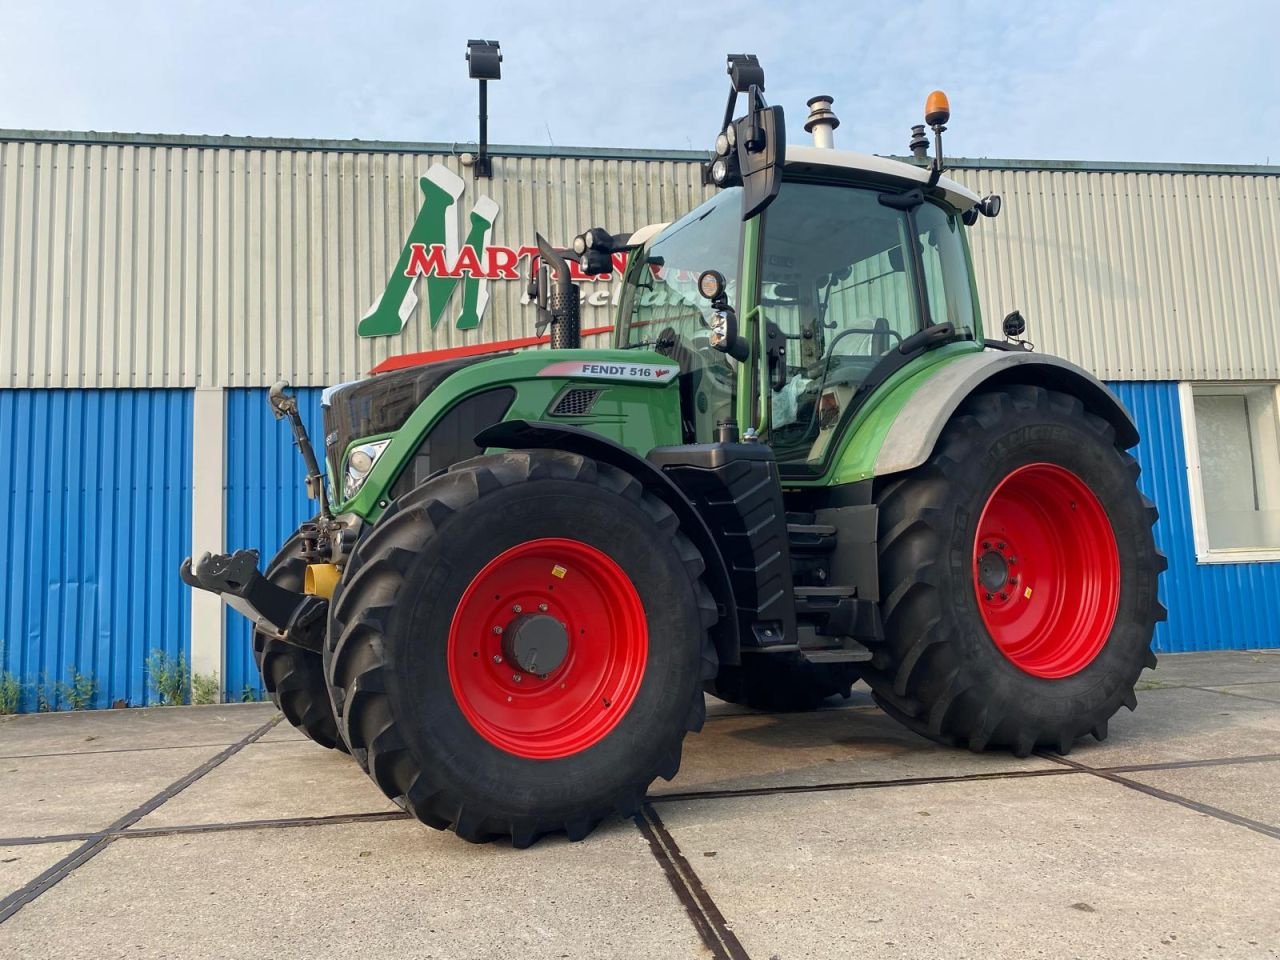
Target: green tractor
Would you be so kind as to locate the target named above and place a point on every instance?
(800, 464)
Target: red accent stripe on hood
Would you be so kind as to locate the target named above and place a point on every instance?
(470, 350)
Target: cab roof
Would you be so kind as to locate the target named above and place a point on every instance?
(878, 168)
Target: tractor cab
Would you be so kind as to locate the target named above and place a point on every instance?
(840, 272)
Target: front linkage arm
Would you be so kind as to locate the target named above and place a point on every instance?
(297, 618)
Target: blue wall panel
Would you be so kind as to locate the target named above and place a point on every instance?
(266, 501)
(96, 487)
(1212, 606)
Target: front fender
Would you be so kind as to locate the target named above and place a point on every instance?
(915, 430)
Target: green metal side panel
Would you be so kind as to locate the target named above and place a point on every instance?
(639, 407)
(855, 455)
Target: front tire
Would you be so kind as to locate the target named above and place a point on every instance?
(447, 605)
(292, 676)
(1018, 576)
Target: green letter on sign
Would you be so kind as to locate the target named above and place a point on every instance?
(435, 228)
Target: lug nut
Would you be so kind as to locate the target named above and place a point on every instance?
(516, 608)
(999, 546)
(542, 607)
(988, 596)
(1004, 596)
(497, 629)
(497, 658)
(986, 545)
(516, 678)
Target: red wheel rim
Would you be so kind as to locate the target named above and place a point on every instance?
(1046, 571)
(577, 702)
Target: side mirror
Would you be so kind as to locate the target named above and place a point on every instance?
(724, 321)
(762, 147)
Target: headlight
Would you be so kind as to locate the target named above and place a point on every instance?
(360, 462)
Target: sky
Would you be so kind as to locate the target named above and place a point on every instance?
(1174, 81)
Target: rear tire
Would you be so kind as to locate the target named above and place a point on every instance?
(294, 677)
(783, 683)
(969, 658)
(431, 707)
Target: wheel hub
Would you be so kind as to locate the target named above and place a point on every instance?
(993, 571)
(535, 643)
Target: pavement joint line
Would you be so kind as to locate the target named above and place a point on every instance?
(377, 816)
(275, 823)
(1257, 826)
(41, 884)
(94, 753)
(780, 789)
(1232, 693)
(706, 917)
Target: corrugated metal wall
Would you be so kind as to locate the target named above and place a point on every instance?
(96, 488)
(135, 266)
(265, 504)
(1137, 276)
(131, 264)
(1212, 606)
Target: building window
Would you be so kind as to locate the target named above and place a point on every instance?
(1233, 453)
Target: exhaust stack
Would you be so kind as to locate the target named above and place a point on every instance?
(822, 122)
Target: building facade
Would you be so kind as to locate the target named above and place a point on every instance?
(152, 288)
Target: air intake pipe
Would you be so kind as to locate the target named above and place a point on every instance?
(564, 301)
(822, 122)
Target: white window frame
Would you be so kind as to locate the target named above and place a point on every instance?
(1191, 444)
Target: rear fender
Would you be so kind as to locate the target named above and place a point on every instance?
(915, 430)
(526, 434)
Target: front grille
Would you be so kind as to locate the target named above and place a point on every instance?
(382, 403)
(576, 402)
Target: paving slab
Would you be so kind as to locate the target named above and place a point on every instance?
(41, 796)
(856, 742)
(1251, 790)
(1068, 866)
(273, 780)
(1185, 723)
(369, 890)
(21, 864)
(1212, 668)
(101, 731)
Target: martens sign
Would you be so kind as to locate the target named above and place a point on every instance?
(445, 251)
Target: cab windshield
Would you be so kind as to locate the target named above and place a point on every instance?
(661, 308)
(846, 277)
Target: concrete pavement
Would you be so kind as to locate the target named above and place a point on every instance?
(216, 831)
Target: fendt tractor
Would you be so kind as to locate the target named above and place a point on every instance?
(799, 465)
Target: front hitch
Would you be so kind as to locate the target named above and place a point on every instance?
(296, 618)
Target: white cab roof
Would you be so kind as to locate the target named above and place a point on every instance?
(960, 196)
